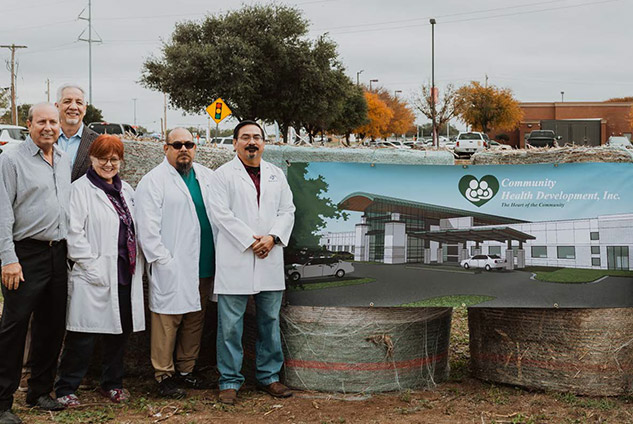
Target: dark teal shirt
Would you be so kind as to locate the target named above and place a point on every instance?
(207, 251)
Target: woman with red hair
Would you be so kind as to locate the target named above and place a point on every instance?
(105, 289)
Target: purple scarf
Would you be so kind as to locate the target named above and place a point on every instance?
(113, 191)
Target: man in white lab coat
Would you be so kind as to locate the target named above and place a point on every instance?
(175, 234)
(252, 210)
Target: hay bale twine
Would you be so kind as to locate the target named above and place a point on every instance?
(584, 351)
(365, 349)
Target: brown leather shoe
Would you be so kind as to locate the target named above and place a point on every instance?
(228, 396)
(277, 389)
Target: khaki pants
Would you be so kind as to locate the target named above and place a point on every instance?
(181, 332)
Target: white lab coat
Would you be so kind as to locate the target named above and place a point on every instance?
(169, 234)
(93, 240)
(237, 217)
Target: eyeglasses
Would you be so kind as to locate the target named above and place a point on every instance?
(178, 145)
(113, 161)
(247, 137)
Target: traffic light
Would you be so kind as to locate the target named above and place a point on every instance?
(218, 110)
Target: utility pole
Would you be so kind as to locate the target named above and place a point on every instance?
(89, 40)
(134, 100)
(14, 106)
(48, 90)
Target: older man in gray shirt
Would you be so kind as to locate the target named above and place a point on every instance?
(34, 201)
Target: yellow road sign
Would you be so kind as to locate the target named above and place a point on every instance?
(218, 110)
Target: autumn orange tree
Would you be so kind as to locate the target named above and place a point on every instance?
(403, 117)
(484, 108)
(379, 115)
(623, 100)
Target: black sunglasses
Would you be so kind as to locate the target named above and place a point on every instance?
(178, 145)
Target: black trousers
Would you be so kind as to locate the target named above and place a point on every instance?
(78, 349)
(43, 293)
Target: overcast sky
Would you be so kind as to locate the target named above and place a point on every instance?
(536, 48)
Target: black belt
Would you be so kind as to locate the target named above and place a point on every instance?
(33, 242)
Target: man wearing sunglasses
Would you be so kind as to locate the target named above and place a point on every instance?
(252, 209)
(175, 233)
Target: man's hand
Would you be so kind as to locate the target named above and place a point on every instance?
(262, 245)
(12, 276)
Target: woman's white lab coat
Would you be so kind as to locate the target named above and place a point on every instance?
(93, 240)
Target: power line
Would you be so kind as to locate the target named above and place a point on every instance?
(400, 21)
(37, 26)
(30, 7)
(479, 18)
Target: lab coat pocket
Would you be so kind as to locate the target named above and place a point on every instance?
(164, 276)
(94, 272)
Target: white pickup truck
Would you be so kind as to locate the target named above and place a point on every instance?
(470, 142)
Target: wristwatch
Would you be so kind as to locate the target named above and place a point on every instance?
(276, 239)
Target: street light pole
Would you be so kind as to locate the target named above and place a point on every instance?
(395, 94)
(358, 76)
(562, 96)
(134, 100)
(433, 123)
(370, 81)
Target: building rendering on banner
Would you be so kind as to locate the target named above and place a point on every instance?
(395, 231)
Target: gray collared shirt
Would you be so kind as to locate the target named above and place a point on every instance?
(34, 197)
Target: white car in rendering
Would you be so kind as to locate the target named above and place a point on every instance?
(487, 262)
(319, 267)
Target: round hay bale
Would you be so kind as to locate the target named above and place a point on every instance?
(365, 349)
(584, 351)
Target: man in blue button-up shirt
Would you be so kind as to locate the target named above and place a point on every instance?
(74, 137)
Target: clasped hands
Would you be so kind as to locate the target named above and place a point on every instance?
(262, 245)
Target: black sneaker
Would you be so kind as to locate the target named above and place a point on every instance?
(46, 403)
(8, 417)
(193, 381)
(168, 388)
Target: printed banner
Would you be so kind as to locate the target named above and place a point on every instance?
(552, 235)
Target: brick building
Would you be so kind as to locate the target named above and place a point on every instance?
(583, 123)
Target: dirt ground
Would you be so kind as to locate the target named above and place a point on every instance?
(461, 399)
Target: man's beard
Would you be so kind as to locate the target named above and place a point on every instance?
(184, 167)
(72, 121)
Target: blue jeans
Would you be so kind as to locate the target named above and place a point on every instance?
(269, 357)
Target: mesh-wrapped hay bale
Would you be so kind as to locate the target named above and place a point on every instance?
(567, 154)
(365, 349)
(584, 351)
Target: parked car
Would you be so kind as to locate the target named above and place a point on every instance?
(111, 128)
(487, 262)
(222, 142)
(470, 142)
(495, 145)
(542, 138)
(319, 267)
(393, 144)
(11, 136)
(442, 141)
(619, 141)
